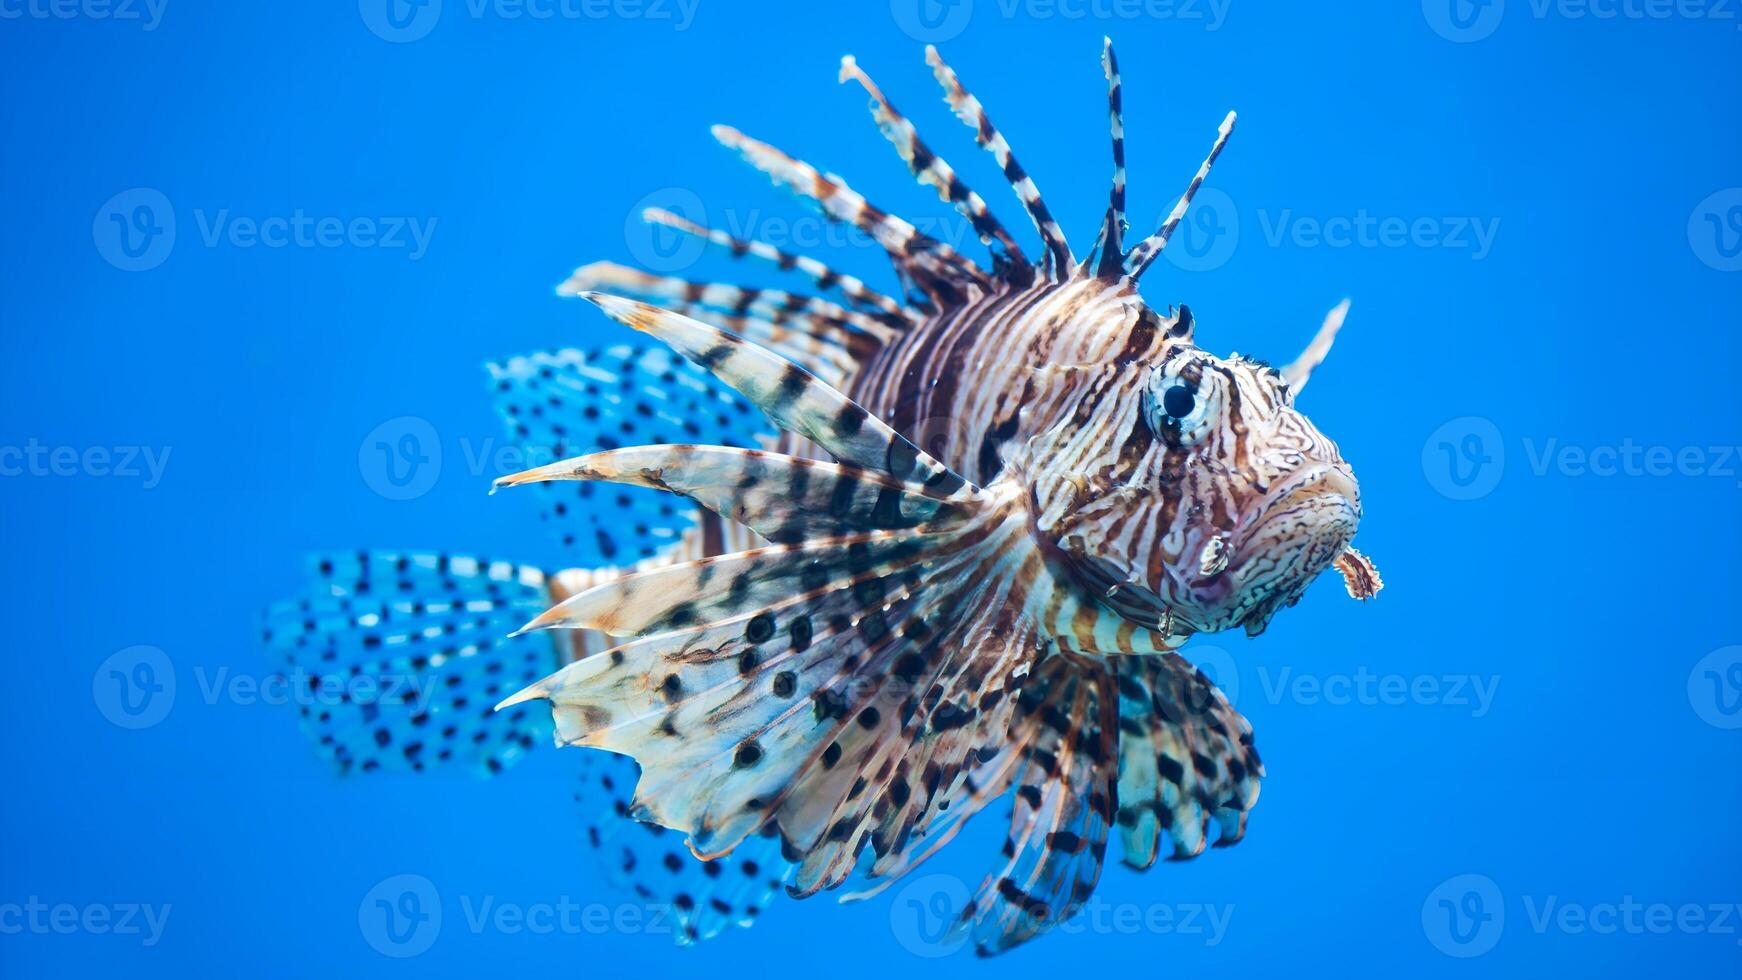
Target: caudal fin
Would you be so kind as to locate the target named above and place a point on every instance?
(396, 659)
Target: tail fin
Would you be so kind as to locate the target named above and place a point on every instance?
(397, 659)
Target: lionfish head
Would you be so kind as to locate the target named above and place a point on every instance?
(1236, 508)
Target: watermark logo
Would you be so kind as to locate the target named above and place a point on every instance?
(1465, 458)
(1464, 916)
(932, 21)
(401, 458)
(1715, 688)
(134, 688)
(401, 916)
(1464, 21)
(924, 915)
(660, 248)
(400, 21)
(1220, 667)
(1715, 230)
(1208, 234)
(135, 230)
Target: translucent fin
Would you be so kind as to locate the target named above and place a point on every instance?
(934, 171)
(970, 111)
(395, 660)
(1145, 251)
(1296, 374)
(1185, 757)
(705, 897)
(564, 403)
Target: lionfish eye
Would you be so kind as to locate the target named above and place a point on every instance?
(1178, 402)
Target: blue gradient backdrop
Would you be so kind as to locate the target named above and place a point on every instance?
(1594, 793)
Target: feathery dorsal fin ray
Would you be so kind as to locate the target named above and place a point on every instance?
(852, 329)
(1297, 373)
(825, 276)
(1146, 251)
(823, 347)
(1059, 260)
(935, 171)
(1111, 246)
(943, 274)
(794, 398)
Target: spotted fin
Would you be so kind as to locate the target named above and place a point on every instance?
(1064, 800)
(1185, 757)
(397, 659)
(704, 898)
(563, 403)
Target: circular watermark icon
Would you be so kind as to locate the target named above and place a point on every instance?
(1464, 916)
(1220, 667)
(1465, 458)
(134, 688)
(932, 21)
(401, 916)
(400, 21)
(1715, 688)
(1463, 21)
(1208, 234)
(401, 458)
(660, 248)
(135, 230)
(1715, 230)
(925, 913)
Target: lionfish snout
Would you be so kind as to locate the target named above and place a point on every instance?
(1282, 539)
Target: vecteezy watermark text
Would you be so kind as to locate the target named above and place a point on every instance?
(34, 916)
(136, 230)
(405, 21)
(34, 458)
(1465, 916)
(402, 916)
(148, 14)
(1465, 459)
(937, 21)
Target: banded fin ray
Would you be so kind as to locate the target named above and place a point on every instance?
(826, 277)
(1146, 251)
(1063, 811)
(786, 499)
(936, 172)
(1111, 244)
(806, 332)
(1059, 260)
(794, 398)
(558, 404)
(942, 273)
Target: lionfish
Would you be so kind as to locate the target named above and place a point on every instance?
(961, 572)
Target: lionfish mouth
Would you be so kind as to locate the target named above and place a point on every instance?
(1285, 539)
